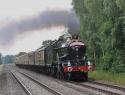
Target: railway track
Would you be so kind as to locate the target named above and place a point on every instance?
(105, 88)
(106, 91)
(108, 85)
(42, 85)
(101, 87)
(21, 84)
(98, 86)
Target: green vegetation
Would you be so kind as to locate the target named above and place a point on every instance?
(1, 66)
(103, 31)
(0, 58)
(108, 76)
(7, 59)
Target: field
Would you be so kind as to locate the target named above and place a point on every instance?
(109, 77)
(1, 66)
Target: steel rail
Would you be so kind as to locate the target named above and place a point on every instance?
(43, 85)
(98, 89)
(21, 84)
(91, 87)
(108, 85)
(84, 85)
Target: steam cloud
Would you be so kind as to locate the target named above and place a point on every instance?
(46, 19)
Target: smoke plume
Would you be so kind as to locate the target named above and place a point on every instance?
(46, 19)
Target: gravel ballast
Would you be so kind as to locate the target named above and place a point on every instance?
(63, 87)
(34, 88)
(8, 85)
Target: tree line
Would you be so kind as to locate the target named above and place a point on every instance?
(102, 28)
(0, 58)
(6, 59)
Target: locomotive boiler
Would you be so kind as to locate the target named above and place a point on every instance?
(64, 58)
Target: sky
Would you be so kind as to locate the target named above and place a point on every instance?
(24, 24)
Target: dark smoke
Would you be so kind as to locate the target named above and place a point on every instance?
(46, 19)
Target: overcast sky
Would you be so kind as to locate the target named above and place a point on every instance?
(14, 12)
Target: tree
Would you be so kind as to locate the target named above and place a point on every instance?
(0, 58)
(103, 30)
(21, 53)
(47, 43)
(8, 59)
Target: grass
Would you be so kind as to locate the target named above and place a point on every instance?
(1, 66)
(107, 76)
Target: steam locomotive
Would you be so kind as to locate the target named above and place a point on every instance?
(64, 58)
